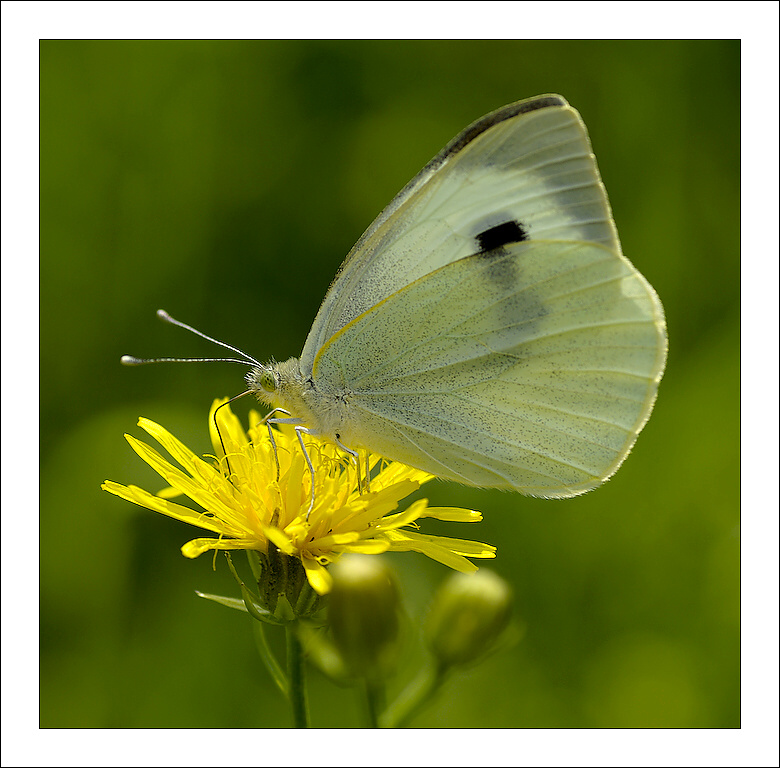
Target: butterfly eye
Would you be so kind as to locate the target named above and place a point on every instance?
(267, 381)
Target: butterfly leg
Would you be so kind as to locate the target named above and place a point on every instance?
(368, 474)
(356, 456)
(267, 420)
(300, 432)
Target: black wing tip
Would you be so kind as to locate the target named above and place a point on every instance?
(506, 112)
(537, 102)
(545, 101)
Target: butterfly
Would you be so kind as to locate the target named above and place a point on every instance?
(486, 328)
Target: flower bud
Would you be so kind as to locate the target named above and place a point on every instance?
(468, 614)
(363, 613)
(284, 590)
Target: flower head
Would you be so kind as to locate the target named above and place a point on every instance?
(254, 497)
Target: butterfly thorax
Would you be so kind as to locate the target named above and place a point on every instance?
(282, 385)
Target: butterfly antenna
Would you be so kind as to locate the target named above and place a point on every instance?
(164, 316)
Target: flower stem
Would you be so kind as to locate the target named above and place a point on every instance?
(413, 698)
(375, 700)
(296, 679)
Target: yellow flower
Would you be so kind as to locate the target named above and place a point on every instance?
(252, 509)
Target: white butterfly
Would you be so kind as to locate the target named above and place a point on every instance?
(486, 328)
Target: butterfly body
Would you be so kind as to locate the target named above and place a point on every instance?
(487, 328)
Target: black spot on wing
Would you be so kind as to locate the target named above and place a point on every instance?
(502, 234)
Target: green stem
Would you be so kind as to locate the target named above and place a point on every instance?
(375, 700)
(296, 680)
(413, 698)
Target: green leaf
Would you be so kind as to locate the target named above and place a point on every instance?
(230, 602)
(272, 665)
(256, 611)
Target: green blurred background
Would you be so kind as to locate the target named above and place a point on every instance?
(225, 182)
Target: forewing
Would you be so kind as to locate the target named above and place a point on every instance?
(522, 173)
(531, 367)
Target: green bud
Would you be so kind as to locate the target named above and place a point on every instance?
(284, 590)
(363, 613)
(468, 614)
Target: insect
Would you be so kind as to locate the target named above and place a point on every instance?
(486, 328)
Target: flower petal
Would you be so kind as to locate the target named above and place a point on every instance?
(279, 538)
(150, 501)
(198, 491)
(197, 547)
(391, 522)
(367, 546)
(183, 455)
(319, 578)
(335, 539)
(446, 550)
(453, 514)
(434, 551)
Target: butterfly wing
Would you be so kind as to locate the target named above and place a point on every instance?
(532, 366)
(522, 173)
